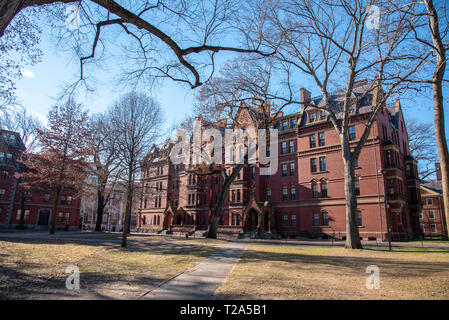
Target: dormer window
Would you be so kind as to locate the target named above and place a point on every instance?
(284, 125)
(312, 117)
(322, 115)
(293, 122)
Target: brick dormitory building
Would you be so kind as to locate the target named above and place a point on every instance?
(305, 197)
(39, 202)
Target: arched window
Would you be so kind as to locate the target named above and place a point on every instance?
(323, 189)
(314, 190)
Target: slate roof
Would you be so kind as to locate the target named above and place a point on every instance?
(434, 185)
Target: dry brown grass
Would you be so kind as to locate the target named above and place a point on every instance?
(35, 269)
(336, 273)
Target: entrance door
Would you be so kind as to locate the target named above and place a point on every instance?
(44, 215)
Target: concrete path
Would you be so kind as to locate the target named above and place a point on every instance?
(202, 281)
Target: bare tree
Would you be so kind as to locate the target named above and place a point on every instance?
(436, 28)
(104, 166)
(138, 120)
(19, 120)
(241, 96)
(173, 39)
(335, 44)
(422, 145)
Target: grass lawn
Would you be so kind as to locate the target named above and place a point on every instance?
(300, 272)
(35, 269)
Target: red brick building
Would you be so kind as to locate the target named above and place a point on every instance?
(432, 218)
(305, 197)
(38, 202)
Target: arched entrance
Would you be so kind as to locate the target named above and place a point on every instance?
(179, 219)
(252, 220)
(44, 216)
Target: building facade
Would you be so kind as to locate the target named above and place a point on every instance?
(305, 196)
(38, 202)
(432, 218)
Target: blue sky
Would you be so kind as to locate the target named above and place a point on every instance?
(42, 83)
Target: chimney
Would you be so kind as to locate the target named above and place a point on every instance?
(438, 171)
(305, 98)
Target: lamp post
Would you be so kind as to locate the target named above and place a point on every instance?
(387, 205)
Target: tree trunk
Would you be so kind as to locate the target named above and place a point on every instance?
(100, 210)
(438, 107)
(352, 229)
(216, 214)
(440, 136)
(8, 10)
(55, 209)
(129, 199)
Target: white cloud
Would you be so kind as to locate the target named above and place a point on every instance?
(28, 73)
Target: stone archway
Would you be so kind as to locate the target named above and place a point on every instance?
(252, 220)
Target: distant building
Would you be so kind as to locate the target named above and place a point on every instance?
(114, 211)
(38, 201)
(432, 218)
(305, 197)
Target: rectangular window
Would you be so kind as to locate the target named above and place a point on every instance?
(293, 220)
(312, 141)
(314, 190)
(313, 165)
(285, 220)
(429, 201)
(357, 188)
(60, 216)
(292, 168)
(359, 218)
(420, 214)
(323, 190)
(67, 217)
(322, 115)
(4, 175)
(431, 214)
(293, 122)
(321, 140)
(26, 217)
(312, 117)
(269, 195)
(2, 194)
(325, 219)
(433, 228)
(284, 194)
(69, 200)
(238, 195)
(391, 188)
(28, 196)
(292, 193)
(284, 147)
(316, 220)
(322, 163)
(62, 200)
(389, 158)
(291, 146)
(284, 125)
(284, 170)
(351, 133)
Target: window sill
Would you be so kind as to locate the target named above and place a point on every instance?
(320, 172)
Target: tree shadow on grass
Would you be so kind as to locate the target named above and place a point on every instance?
(346, 265)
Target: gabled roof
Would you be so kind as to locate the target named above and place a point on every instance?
(433, 185)
(362, 93)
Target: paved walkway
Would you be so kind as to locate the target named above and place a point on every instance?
(202, 281)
